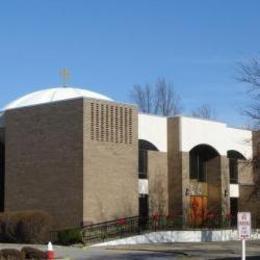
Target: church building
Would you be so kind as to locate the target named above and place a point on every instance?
(85, 158)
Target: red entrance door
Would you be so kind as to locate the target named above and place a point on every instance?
(198, 209)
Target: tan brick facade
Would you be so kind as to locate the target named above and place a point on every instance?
(175, 186)
(225, 184)
(44, 161)
(111, 166)
(214, 185)
(181, 187)
(53, 164)
(78, 160)
(158, 182)
(249, 197)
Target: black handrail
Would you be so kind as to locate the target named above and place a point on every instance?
(130, 226)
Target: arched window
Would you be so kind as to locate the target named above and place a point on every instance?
(199, 155)
(234, 156)
(144, 146)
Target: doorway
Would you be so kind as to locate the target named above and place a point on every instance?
(143, 210)
(198, 210)
(233, 211)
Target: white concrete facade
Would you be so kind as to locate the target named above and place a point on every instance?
(194, 131)
(153, 129)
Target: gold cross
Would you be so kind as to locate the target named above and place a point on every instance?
(65, 76)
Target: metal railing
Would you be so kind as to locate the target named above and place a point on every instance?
(130, 226)
(137, 225)
(111, 229)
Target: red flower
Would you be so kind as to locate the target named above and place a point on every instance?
(156, 216)
(121, 221)
(210, 215)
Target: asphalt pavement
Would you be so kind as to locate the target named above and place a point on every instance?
(196, 250)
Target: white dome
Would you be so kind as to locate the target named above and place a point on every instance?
(52, 95)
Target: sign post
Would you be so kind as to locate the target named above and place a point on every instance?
(244, 229)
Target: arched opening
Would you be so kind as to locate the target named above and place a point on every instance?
(144, 146)
(234, 158)
(199, 156)
(205, 184)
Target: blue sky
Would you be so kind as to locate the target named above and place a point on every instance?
(110, 45)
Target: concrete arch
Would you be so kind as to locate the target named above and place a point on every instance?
(198, 156)
(205, 183)
(146, 145)
(234, 154)
(234, 158)
(206, 146)
(143, 147)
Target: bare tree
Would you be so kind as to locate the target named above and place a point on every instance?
(204, 111)
(160, 98)
(167, 101)
(143, 96)
(249, 73)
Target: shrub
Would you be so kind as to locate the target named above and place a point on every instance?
(25, 227)
(33, 253)
(11, 254)
(70, 236)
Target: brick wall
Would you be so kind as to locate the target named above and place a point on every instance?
(245, 172)
(249, 183)
(214, 185)
(225, 184)
(110, 162)
(158, 182)
(250, 201)
(44, 160)
(175, 186)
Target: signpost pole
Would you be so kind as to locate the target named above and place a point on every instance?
(243, 249)
(244, 229)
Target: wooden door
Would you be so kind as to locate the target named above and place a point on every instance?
(198, 210)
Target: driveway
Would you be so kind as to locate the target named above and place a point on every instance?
(97, 253)
(207, 250)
